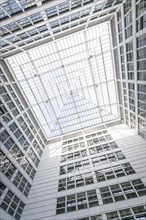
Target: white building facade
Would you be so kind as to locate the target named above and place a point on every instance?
(22, 144)
(98, 175)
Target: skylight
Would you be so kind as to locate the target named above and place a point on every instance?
(69, 83)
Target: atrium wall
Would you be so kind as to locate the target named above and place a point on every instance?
(22, 145)
(129, 48)
(75, 184)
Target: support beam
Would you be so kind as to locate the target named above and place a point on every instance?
(48, 21)
(30, 12)
(57, 36)
(135, 61)
(45, 6)
(125, 62)
(92, 75)
(113, 65)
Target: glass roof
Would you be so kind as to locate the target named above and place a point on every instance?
(69, 83)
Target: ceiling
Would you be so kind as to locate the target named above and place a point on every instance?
(69, 83)
(62, 60)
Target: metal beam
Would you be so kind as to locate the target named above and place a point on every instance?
(57, 18)
(125, 62)
(59, 117)
(30, 12)
(92, 75)
(36, 72)
(45, 6)
(86, 130)
(135, 61)
(105, 70)
(109, 119)
(58, 67)
(113, 64)
(57, 35)
(120, 71)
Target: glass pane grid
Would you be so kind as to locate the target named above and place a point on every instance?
(70, 88)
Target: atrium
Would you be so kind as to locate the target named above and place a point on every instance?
(73, 109)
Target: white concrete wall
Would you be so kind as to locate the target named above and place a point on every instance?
(42, 198)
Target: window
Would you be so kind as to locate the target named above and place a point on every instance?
(88, 179)
(102, 148)
(109, 174)
(98, 140)
(139, 187)
(125, 213)
(75, 181)
(13, 205)
(128, 19)
(141, 65)
(74, 155)
(73, 140)
(80, 181)
(121, 50)
(128, 31)
(71, 203)
(6, 166)
(106, 195)
(95, 217)
(114, 172)
(37, 148)
(112, 215)
(112, 157)
(138, 210)
(141, 53)
(131, 75)
(2, 188)
(138, 213)
(126, 190)
(81, 200)
(117, 193)
(28, 168)
(4, 136)
(100, 176)
(60, 205)
(141, 75)
(129, 59)
(22, 184)
(7, 98)
(70, 183)
(119, 155)
(127, 6)
(74, 166)
(33, 157)
(141, 41)
(5, 115)
(73, 147)
(92, 198)
(16, 153)
(140, 8)
(2, 76)
(141, 23)
(142, 88)
(77, 201)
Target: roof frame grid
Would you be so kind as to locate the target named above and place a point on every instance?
(68, 82)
